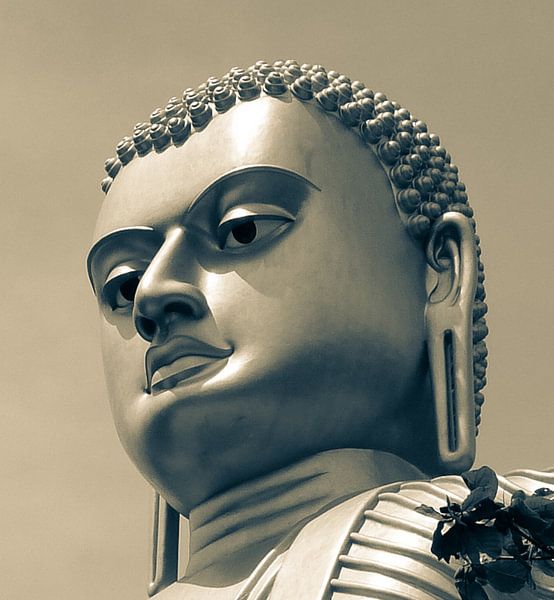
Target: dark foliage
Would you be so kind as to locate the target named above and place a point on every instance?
(497, 544)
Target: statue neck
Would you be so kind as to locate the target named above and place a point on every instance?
(232, 532)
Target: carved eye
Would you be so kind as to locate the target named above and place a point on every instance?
(120, 288)
(125, 293)
(252, 231)
(244, 233)
(248, 224)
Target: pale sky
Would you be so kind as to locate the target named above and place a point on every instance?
(76, 77)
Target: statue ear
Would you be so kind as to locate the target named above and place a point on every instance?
(452, 280)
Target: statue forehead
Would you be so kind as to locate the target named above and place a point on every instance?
(285, 134)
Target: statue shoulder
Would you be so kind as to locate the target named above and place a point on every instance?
(376, 545)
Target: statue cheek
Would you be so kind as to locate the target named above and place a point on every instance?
(123, 364)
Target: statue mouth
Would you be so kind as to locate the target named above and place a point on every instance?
(178, 360)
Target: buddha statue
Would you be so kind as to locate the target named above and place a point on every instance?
(292, 313)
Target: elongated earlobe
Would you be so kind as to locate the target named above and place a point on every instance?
(165, 546)
(451, 254)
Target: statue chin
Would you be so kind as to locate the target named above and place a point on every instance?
(293, 322)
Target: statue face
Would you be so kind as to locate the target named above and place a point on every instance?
(278, 297)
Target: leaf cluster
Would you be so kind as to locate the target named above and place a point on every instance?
(498, 544)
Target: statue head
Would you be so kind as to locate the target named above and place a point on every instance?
(286, 263)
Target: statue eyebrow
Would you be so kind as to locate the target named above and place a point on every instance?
(122, 233)
(250, 169)
(110, 238)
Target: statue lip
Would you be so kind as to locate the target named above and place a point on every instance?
(178, 359)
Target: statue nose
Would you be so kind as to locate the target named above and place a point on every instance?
(158, 305)
(164, 296)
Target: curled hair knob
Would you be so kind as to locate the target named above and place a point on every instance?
(405, 141)
(480, 351)
(451, 177)
(383, 107)
(342, 79)
(435, 175)
(409, 200)
(372, 130)
(441, 199)
(423, 151)
(403, 114)
(179, 129)
(405, 125)
(422, 139)
(480, 331)
(248, 88)
(200, 114)
(479, 310)
(434, 139)
(160, 136)
(440, 151)
(418, 226)
(142, 141)
(125, 150)
(319, 81)
(211, 84)
(424, 185)
(368, 108)
(420, 127)
(157, 116)
(274, 84)
(436, 162)
(192, 97)
(318, 69)
(142, 125)
(291, 73)
(364, 93)
(389, 152)
(112, 166)
(459, 196)
(302, 88)
(402, 175)
(345, 93)
(187, 92)
(351, 113)
(174, 110)
(263, 71)
(447, 187)
(223, 98)
(328, 99)
(387, 118)
(432, 210)
(414, 160)
(105, 184)
(480, 293)
(236, 75)
(462, 208)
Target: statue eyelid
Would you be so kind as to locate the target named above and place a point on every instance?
(250, 212)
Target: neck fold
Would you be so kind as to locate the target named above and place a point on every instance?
(232, 532)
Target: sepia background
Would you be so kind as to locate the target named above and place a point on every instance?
(76, 76)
